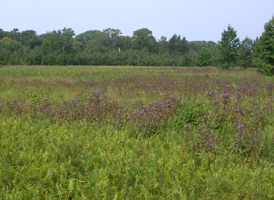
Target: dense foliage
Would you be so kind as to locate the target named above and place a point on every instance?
(227, 52)
(110, 47)
(81, 132)
(245, 50)
(264, 51)
(204, 57)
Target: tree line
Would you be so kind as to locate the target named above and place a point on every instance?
(110, 47)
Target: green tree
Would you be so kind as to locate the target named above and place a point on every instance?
(264, 49)
(124, 42)
(189, 59)
(35, 56)
(59, 42)
(163, 45)
(15, 34)
(9, 44)
(2, 33)
(245, 53)
(143, 38)
(204, 57)
(89, 37)
(183, 46)
(112, 36)
(176, 44)
(30, 39)
(227, 51)
(173, 43)
(67, 40)
(197, 45)
(4, 56)
(97, 41)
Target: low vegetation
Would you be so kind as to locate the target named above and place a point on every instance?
(135, 133)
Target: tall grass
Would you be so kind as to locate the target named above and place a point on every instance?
(135, 133)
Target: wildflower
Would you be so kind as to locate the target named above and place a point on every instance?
(188, 126)
(239, 128)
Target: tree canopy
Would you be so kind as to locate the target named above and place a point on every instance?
(110, 47)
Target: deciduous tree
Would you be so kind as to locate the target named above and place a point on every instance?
(204, 57)
(143, 38)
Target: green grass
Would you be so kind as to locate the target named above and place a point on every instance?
(76, 157)
(76, 160)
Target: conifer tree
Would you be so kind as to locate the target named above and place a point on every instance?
(264, 50)
(227, 52)
(245, 51)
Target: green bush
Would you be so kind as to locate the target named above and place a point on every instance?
(204, 57)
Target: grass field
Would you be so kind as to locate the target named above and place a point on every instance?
(88, 132)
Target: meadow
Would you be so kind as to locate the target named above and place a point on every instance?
(105, 132)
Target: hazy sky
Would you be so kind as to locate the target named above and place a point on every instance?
(196, 20)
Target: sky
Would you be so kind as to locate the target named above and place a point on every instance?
(195, 20)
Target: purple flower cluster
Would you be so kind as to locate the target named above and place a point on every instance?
(239, 127)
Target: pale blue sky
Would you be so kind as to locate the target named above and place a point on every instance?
(196, 20)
